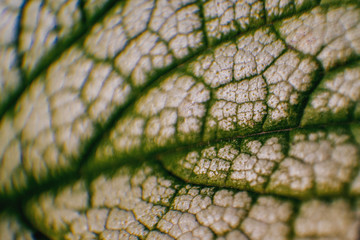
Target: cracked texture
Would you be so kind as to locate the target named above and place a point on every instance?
(209, 119)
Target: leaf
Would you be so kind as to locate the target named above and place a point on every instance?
(179, 119)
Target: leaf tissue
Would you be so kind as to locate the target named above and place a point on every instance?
(180, 119)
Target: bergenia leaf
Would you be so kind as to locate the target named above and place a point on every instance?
(181, 119)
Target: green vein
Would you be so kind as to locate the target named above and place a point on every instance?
(89, 146)
(68, 176)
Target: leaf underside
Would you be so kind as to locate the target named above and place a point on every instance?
(208, 119)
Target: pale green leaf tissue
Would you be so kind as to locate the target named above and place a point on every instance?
(180, 119)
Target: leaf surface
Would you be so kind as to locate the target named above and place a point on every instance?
(180, 119)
